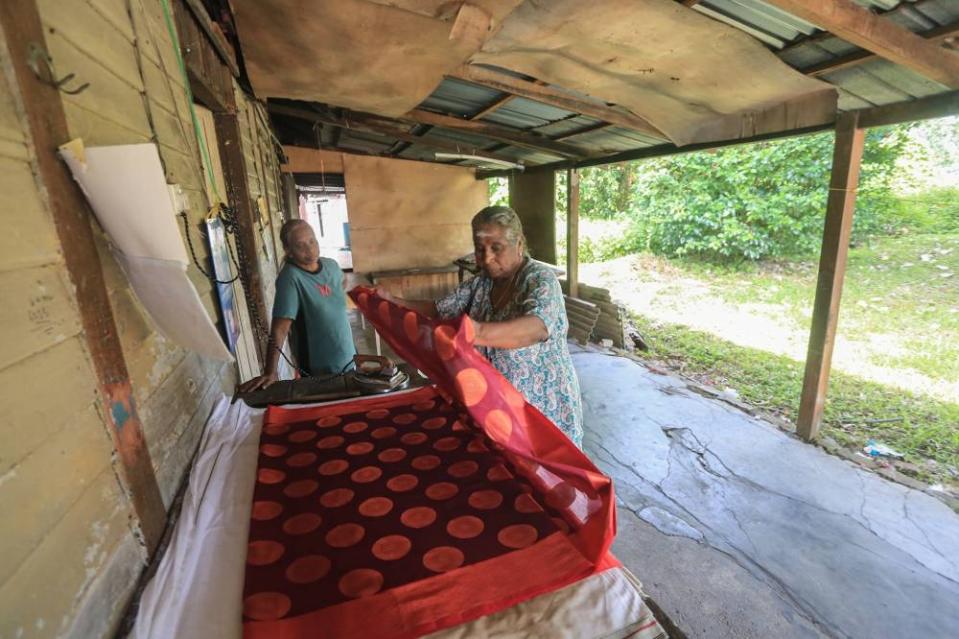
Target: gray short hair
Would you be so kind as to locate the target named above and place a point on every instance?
(505, 218)
(287, 229)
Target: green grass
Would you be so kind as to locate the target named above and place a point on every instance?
(927, 429)
(905, 286)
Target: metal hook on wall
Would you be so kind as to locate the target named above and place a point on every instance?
(38, 57)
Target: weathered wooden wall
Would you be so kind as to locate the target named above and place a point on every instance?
(65, 516)
(266, 189)
(69, 560)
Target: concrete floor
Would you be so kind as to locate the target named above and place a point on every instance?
(738, 530)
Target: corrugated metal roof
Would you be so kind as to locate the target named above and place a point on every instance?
(798, 43)
(616, 139)
(460, 98)
(364, 142)
(767, 23)
(877, 81)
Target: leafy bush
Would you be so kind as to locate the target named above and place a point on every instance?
(932, 211)
(601, 240)
(498, 189)
(757, 201)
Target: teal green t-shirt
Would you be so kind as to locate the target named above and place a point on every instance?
(316, 302)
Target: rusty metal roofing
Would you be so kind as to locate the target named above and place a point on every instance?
(798, 43)
(872, 83)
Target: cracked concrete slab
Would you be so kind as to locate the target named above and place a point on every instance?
(739, 517)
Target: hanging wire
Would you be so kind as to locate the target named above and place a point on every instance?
(230, 219)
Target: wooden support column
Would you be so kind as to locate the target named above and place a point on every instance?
(572, 231)
(234, 173)
(291, 197)
(840, 207)
(532, 196)
(41, 108)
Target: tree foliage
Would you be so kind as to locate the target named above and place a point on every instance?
(744, 202)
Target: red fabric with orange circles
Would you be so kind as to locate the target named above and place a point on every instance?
(537, 447)
(402, 515)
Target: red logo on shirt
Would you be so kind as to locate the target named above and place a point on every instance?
(324, 289)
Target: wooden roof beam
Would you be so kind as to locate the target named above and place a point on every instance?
(494, 106)
(885, 38)
(549, 95)
(938, 35)
(373, 124)
(513, 137)
(927, 108)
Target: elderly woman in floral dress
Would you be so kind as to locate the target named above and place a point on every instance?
(520, 318)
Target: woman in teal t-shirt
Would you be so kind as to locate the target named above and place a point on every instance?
(310, 308)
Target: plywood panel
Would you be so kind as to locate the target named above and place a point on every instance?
(37, 308)
(41, 598)
(386, 249)
(40, 498)
(353, 53)
(407, 214)
(382, 192)
(650, 58)
(28, 238)
(40, 396)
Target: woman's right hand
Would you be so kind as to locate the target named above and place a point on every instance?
(263, 381)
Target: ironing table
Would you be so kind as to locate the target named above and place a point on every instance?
(450, 510)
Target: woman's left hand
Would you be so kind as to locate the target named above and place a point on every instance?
(479, 333)
(515, 333)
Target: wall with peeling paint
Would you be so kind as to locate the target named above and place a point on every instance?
(65, 513)
(70, 556)
(266, 189)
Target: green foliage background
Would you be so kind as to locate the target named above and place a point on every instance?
(763, 200)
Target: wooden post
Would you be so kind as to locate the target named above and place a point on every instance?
(572, 231)
(533, 197)
(840, 207)
(42, 109)
(234, 172)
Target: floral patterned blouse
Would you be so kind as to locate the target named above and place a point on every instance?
(543, 372)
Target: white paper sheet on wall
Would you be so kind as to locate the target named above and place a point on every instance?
(127, 189)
